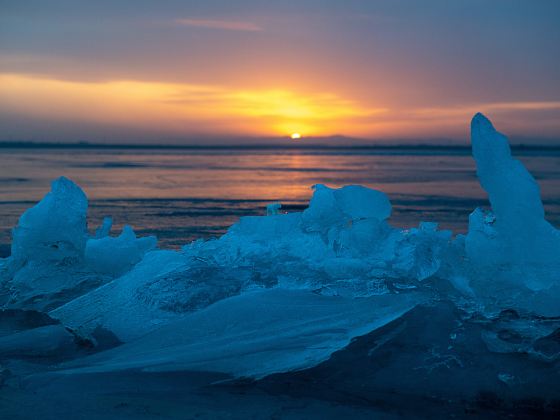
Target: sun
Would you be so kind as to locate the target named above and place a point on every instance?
(295, 136)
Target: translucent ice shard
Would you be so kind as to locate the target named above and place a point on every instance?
(117, 255)
(55, 228)
(46, 265)
(273, 209)
(419, 251)
(330, 207)
(53, 261)
(105, 228)
(513, 192)
(514, 244)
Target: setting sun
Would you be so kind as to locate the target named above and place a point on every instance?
(296, 136)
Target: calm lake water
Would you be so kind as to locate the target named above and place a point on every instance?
(181, 195)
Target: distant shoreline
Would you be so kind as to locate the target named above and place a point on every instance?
(380, 147)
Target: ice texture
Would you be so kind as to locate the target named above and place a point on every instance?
(273, 209)
(256, 334)
(274, 251)
(129, 306)
(513, 247)
(55, 229)
(286, 291)
(54, 260)
(331, 207)
(116, 255)
(341, 245)
(105, 228)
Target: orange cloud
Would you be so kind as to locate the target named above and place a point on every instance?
(182, 108)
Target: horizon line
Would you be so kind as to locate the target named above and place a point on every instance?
(293, 145)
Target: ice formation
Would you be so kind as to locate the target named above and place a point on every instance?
(514, 251)
(283, 292)
(55, 229)
(54, 260)
(117, 255)
(517, 228)
(256, 334)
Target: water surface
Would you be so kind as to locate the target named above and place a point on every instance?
(183, 194)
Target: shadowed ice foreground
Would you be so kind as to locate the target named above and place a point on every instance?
(331, 307)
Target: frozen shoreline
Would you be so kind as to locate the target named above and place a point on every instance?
(285, 293)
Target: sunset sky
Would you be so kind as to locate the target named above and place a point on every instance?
(218, 71)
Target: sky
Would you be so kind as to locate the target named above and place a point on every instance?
(198, 72)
